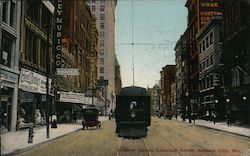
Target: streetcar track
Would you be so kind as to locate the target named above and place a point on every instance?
(181, 136)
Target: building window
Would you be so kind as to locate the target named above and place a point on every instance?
(93, 8)
(7, 43)
(207, 42)
(211, 60)
(102, 25)
(102, 34)
(207, 64)
(203, 45)
(102, 8)
(102, 1)
(43, 51)
(9, 13)
(31, 47)
(102, 43)
(102, 16)
(102, 52)
(93, 1)
(101, 60)
(101, 70)
(33, 10)
(4, 12)
(211, 38)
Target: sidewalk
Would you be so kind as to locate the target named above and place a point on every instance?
(221, 126)
(15, 142)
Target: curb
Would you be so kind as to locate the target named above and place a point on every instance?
(242, 135)
(39, 144)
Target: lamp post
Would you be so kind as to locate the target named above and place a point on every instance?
(244, 98)
(1, 75)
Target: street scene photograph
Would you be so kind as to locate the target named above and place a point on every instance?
(125, 77)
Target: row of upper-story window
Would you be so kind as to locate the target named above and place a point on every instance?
(206, 62)
(38, 13)
(93, 8)
(207, 42)
(9, 13)
(206, 83)
(93, 1)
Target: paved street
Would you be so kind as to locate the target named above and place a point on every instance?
(165, 137)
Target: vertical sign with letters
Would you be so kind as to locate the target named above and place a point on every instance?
(58, 34)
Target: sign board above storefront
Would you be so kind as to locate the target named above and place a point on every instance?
(33, 82)
(76, 98)
(67, 71)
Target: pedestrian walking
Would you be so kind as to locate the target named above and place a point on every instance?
(214, 117)
(229, 119)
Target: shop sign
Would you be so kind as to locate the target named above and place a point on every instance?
(72, 97)
(8, 76)
(67, 71)
(208, 9)
(58, 34)
(34, 28)
(33, 82)
(50, 6)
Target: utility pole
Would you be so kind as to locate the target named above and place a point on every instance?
(47, 79)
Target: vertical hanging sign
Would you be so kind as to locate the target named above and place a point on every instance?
(58, 34)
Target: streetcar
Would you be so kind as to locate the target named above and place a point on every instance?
(90, 117)
(132, 112)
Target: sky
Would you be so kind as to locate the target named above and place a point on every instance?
(154, 26)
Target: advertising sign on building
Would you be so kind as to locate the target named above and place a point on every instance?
(33, 82)
(72, 97)
(58, 34)
(208, 9)
(67, 71)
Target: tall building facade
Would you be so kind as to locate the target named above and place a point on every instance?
(9, 62)
(104, 11)
(199, 13)
(79, 50)
(36, 60)
(210, 67)
(236, 52)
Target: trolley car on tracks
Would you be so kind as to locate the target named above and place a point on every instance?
(133, 112)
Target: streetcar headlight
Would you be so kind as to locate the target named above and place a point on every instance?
(132, 114)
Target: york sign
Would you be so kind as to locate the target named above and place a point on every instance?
(58, 45)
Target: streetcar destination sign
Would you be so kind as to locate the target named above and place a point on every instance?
(67, 71)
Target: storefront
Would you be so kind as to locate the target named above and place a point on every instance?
(32, 93)
(8, 98)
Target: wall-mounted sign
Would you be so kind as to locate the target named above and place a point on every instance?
(33, 82)
(208, 9)
(67, 71)
(8, 76)
(72, 97)
(58, 34)
(50, 6)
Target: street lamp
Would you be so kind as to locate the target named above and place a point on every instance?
(244, 98)
(227, 100)
(216, 101)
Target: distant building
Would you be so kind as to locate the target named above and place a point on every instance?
(104, 11)
(181, 75)
(118, 80)
(168, 77)
(155, 99)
